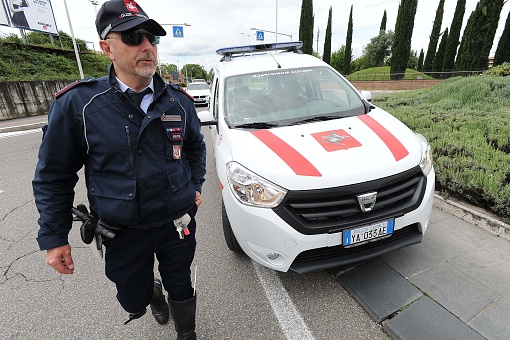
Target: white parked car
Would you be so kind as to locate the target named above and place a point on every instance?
(313, 176)
(200, 92)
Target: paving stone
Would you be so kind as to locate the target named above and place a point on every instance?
(493, 323)
(438, 245)
(379, 289)
(486, 268)
(454, 290)
(426, 319)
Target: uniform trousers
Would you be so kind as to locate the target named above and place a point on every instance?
(129, 261)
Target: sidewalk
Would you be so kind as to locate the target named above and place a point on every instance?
(455, 284)
(21, 124)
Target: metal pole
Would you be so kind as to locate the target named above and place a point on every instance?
(74, 42)
(276, 21)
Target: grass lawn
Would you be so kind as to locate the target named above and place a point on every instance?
(383, 73)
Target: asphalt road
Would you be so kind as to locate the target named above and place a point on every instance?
(453, 285)
(237, 299)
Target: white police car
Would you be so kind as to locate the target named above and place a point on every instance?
(312, 175)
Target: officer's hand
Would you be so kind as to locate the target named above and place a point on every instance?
(60, 259)
(198, 199)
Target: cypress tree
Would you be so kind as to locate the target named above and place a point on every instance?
(306, 26)
(479, 35)
(327, 39)
(437, 66)
(382, 28)
(453, 36)
(348, 47)
(503, 51)
(434, 37)
(420, 60)
(401, 48)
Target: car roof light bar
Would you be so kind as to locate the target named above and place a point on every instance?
(293, 46)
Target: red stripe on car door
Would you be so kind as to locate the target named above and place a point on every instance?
(299, 164)
(397, 149)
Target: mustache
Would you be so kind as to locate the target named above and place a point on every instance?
(146, 57)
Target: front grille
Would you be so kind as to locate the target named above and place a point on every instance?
(327, 253)
(336, 209)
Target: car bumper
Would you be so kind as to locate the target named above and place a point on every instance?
(270, 241)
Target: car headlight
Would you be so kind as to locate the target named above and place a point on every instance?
(426, 155)
(251, 189)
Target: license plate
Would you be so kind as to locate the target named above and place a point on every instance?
(357, 236)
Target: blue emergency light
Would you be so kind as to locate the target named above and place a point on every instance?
(293, 46)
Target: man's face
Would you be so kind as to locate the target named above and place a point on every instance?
(131, 59)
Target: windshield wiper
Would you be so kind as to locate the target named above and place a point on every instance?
(256, 125)
(314, 119)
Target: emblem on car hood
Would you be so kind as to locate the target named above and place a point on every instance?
(367, 201)
(336, 140)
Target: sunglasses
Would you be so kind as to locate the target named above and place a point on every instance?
(135, 38)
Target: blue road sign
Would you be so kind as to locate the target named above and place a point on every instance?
(260, 35)
(178, 32)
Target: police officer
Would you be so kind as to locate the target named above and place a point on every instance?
(144, 168)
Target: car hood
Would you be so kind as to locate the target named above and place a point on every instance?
(327, 154)
(198, 92)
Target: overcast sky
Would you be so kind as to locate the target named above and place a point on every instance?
(217, 24)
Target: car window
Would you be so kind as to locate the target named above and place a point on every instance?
(289, 96)
(198, 86)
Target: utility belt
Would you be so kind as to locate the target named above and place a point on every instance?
(99, 229)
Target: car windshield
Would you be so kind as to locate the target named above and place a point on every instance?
(289, 97)
(198, 86)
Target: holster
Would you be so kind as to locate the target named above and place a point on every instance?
(93, 226)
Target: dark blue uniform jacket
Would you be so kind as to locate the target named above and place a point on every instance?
(141, 171)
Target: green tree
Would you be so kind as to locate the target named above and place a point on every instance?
(194, 71)
(453, 36)
(434, 37)
(382, 28)
(412, 62)
(420, 61)
(478, 35)
(326, 57)
(437, 66)
(379, 48)
(348, 46)
(306, 26)
(337, 59)
(401, 48)
(503, 51)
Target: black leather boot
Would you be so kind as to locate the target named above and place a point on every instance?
(183, 313)
(159, 306)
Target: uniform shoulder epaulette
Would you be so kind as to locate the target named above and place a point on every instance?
(178, 88)
(72, 85)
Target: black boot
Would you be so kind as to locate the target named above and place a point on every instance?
(159, 306)
(183, 313)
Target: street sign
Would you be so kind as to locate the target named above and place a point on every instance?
(260, 35)
(178, 32)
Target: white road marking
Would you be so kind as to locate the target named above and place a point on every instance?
(291, 322)
(1, 191)
(18, 133)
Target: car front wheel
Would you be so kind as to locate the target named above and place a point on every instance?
(230, 238)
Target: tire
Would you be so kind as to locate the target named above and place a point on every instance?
(230, 238)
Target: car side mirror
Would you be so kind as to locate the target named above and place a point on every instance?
(206, 118)
(367, 95)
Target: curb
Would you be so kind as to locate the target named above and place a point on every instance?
(475, 217)
(22, 127)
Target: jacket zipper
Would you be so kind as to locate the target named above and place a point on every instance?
(129, 146)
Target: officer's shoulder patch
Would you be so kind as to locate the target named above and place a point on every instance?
(72, 85)
(178, 88)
